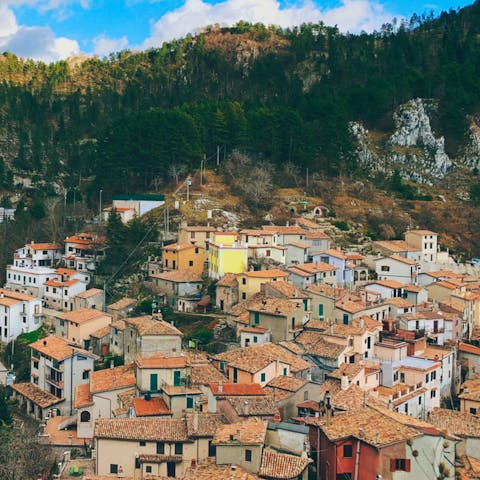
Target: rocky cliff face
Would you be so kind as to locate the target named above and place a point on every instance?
(413, 149)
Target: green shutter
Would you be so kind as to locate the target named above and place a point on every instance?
(320, 311)
(176, 378)
(153, 382)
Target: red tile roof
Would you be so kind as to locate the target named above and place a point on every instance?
(231, 389)
(281, 465)
(38, 396)
(148, 408)
(112, 378)
(467, 348)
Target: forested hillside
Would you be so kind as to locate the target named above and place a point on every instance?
(135, 120)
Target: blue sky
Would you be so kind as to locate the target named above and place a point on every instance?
(51, 30)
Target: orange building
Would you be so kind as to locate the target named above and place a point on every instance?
(183, 256)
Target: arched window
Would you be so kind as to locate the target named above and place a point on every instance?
(85, 416)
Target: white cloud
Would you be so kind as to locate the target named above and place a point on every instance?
(104, 46)
(38, 43)
(351, 15)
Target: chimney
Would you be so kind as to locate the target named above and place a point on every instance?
(220, 387)
(245, 408)
(361, 323)
(111, 364)
(277, 418)
(344, 382)
(195, 421)
(45, 343)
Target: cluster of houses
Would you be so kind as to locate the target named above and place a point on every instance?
(346, 365)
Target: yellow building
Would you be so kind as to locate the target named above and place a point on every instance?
(249, 283)
(226, 255)
(183, 256)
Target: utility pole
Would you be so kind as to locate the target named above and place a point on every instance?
(218, 155)
(100, 208)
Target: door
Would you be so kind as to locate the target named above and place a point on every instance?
(170, 469)
(176, 378)
(235, 375)
(153, 382)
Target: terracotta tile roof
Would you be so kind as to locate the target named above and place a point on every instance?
(178, 276)
(241, 307)
(255, 357)
(161, 362)
(351, 370)
(350, 307)
(292, 347)
(58, 283)
(281, 465)
(148, 325)
(272, 273)
(228, 280)
(311, 268)
(467, 348)
(176, 247)
(82, 396)
(122, 303)
(154, 407)
(125, 400)
(401, 259)
(207, 423)
(325, 289)
(298, 244)
(249, 432)
(101, 332)
(462, 424)
(112, 379)
(89, 293)
(83, 315)
(17, 295)
(397, 246)
(256, 406)
(470, 389)
(256, 232)
(412, 288)
(388, 283)
(233, 389)
(259, 330)
(287, 289)
(66, 271)
(204, 374)
(118, 324)
(399, 302)
(38, 396)
(44, 246)
(210, 471)
(57, 348)
(467, 468)
(275, 306)
(8, 302)
(317, 235)
(422, 232)
(368, 322)
(310, 404)
(290, 384)
(335, 253)
(153, 429)
(370, 426)
(284, 229)
(315, 344)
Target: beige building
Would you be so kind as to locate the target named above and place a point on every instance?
(91, 298)
(424, 241)
(227, 292)
(139, 447)
(77, 326)
(148, 336)
(241, 444)
(122, 308)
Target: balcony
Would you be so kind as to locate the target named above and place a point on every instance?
(54, 381)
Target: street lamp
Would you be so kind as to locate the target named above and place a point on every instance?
(100, 208)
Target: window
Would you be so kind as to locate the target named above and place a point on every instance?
(212, 449)
(320, 311)
(426, 378)
(244, 281)
(285, 371)
(433, 394)
(262, 377)
(86, 374)
(62, 323)
(305, 395)
(395, 376)
(113, 468)
(402, 377)
(178, 448)
(35, 364)
(148, 469)
(268, 253)
(345, 318)
(142, 443)
(85, 416)
(248, 455)
(244, 296)
(433, 375)
(256, 317)
(255, 339)
(385, 268)
(160, 448)
(419, 400)
(189, 402)
(347, 451)
(473, 411)
(399, 464)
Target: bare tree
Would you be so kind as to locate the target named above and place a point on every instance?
(176, 170)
